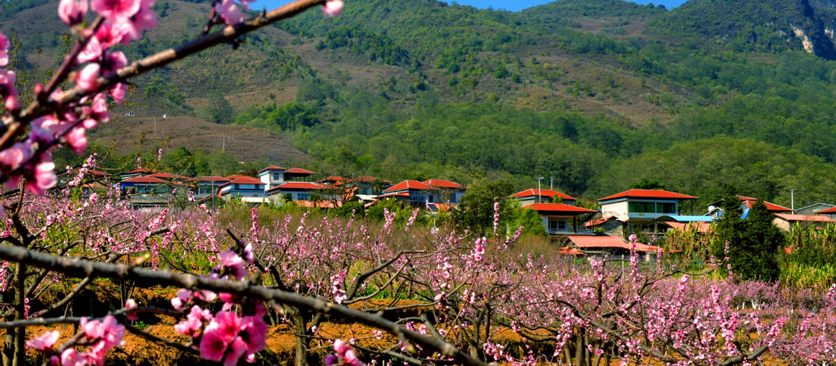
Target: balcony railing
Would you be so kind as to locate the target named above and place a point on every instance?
(569, 232)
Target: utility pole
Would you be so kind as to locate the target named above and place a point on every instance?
(792, 200)
(551, 183)
(539, 191)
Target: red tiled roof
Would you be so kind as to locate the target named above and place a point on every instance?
(271, 167)
(558, 207)
(243, 179)
(393, 194)
(138, 170)
(749, 201)
(827, 211)
(813, 218)
(212, 179)
(96, 172)
(440, 183)
(649, 193)
(598, 222)
(298, 185)
(146, 179)
(299, 171)
(408, 184)
(543, 193)
(769, 206)
(570, 251)
(590, 242)
(168, 176)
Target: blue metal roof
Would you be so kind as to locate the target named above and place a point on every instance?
(691, 218)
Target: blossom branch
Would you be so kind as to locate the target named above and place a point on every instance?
(75, 267)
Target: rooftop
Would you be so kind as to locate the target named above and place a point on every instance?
(813, 218)
(211, 179)
(683, 218)
(827, 211)
(146, 179)
(243, 179)
(408, 184)
(138, 171)
(298, 171)
(591, 242)
(440, 183)
(597, 222)
(558, 207)
(271, 167)
(649, 193)
(542, 192)
(297, 185)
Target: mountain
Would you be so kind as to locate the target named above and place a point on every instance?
(575, 89)
(771, 25)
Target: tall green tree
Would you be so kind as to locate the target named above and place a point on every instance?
(476, 208)
(753, 243)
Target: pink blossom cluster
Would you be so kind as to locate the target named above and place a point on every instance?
(224, 336)
(101, 336)
(343, 356)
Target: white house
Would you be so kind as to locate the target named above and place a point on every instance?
(638, 207)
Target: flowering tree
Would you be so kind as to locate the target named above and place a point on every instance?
(463, 293)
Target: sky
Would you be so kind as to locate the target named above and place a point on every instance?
(513, 5)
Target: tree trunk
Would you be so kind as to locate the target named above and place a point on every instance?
(579, 349)
(300, 323)
(19, 356)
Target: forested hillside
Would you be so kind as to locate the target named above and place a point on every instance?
(597, 94)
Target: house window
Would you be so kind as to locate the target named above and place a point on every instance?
(303, 196)
(557, 225)
(237, 186)
(642, 207)
(276, 176)
(666, 208)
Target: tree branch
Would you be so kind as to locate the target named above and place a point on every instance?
(76, 267)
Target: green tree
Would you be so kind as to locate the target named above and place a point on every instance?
(219, 109)
(179, 161)
(753, 243)
(647, 184)
(476, 208)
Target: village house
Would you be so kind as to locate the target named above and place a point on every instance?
(297, 191)
(208, 186)
(830, 212)
(788, 222)
(424, 193)
(814, 209)
(532, 196)
(714, 209)
(684, 223)
(639, 208)
(410, 191)
(139, 172)
(272, 176)
(613, 246)
(561, 219)
(365, 189)
(445, 191)
(609, 225)
(247, 189)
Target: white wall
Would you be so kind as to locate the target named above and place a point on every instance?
(618, 209)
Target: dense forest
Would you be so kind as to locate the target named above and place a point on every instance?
(596, 94)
